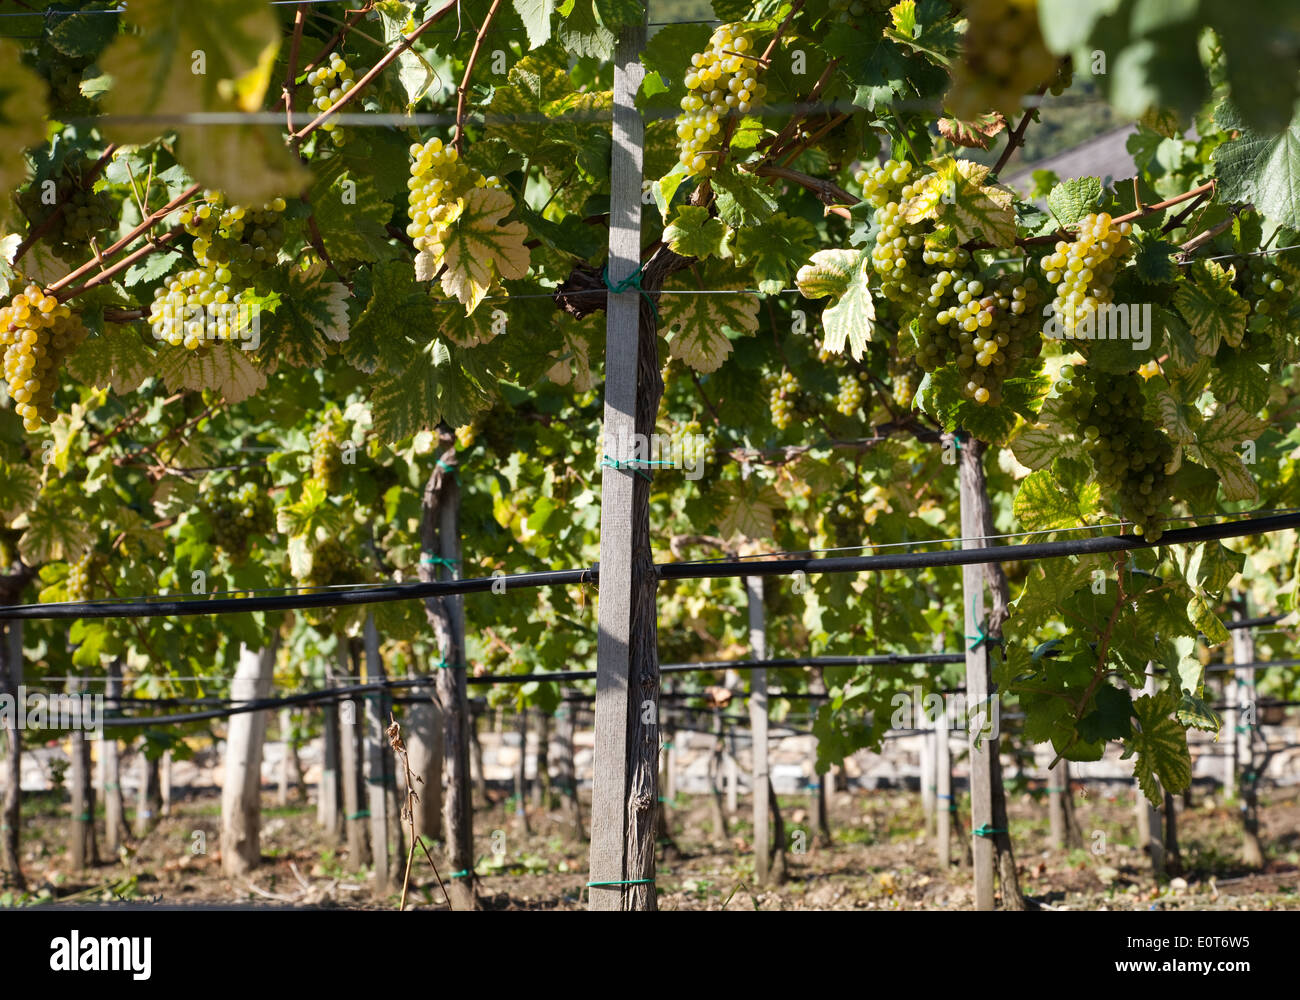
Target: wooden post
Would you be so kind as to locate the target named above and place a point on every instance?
(165, 776)
(733, 775)
(824, 785)
(82, 852)
(929, 735)
(440, 540)
(758, 725)
(378, 775)
(715, 766)
(327, 794)
(624, 791)
(111, 768)
(11, 678)
(422, 730)
(1231, 695)
(1148, 814)
(241, 790)
(542, 777)
(1243, 738)
(282, 793)
(354, 815)
(148, 799)
(1057, 780)
(567, 723)
(945, 802)
(977, 671)
(521, 772)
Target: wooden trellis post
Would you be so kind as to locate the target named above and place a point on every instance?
(377, 774)
(943, 793)
(11, 678)
(758, 726)
(1242, 735)
(624, 790)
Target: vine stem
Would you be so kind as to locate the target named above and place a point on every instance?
(339, 35)
(126, 240)
(828, 192)
(374, 71)
(1015, 140)
(45, 226)
(291, 67)
(782, 137)
(136, 255)
(464, 82)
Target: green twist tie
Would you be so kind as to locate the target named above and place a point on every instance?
(630, 284)
(84, 818)
(609, 463)
(450, 468)
(976, 640)
(428, 560)
(814, 786)
(444, 665)
(364, 814)
(388, 779)
(463, 873)
(666, 746)
(629, 881)
(1243, 729)
(1058, 789)
(112, 787)
(988, 831)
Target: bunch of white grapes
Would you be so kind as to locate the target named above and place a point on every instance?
(438, 179)
(722, 80)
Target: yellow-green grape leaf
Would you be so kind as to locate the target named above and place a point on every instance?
(188, 58)
(692, 233)
(1200, 614)
(828, 273)
(224, 368)
(1220, 444)
(479, 248)
(750, 507)
(1213, 310)
(956, 196)
(473, 329)
(22, 119)
(851, 319)
(1042, 504)
(19, 485)
(52, 532)
(119, 358)
(696, 326)
(1160, 743)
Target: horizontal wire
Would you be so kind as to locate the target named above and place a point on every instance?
(664, 571)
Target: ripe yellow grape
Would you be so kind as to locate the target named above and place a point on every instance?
(1084, 270)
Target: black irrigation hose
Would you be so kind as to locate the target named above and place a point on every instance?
(385, 593)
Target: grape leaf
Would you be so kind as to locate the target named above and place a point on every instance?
(479, 249)
(693, 233)
(1042, 503)
(742, 199)
(82, 35)
(956, 196)
(696, 326)
(974, 134)
(770, 250)
(1071, 200)
(118, 357)
(351, 215)
(536, 15)
(1161, 746)
(19, 486)
(393, 309)
(1263, 170)
(53, 532)
(1218, 445)
(223, 368)
(842, 274)
(583, 32)
(313, 312)
(1036, 446)
(22, 119)
(188, 58)
(1214, 312)
(1153, 260)
(151, 268)
(432, 388)
(750, 508)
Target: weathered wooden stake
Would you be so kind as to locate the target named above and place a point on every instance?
(624, 790)
(1242, 734)
(11, 678)
(241, 790)
(377, 772)
(110, 759)
(758, 725)
(350, 728)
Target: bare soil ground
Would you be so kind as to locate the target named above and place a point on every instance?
(878, 859)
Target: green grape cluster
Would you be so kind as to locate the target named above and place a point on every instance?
(37, 333)
(696, 440)
(904, 382)
(333, 564)
(438, 179)
(329, 84)
(84, 213)
(234, 241)
(78, 583)
(1005, 58)
(784, 388)
(1271, 300)
(850, 396)
(848, 11)
(988, 330)
(723, 80)
(883, 182)
(1130, 454)
(237, 516)
(1083, 271)
(326, 456)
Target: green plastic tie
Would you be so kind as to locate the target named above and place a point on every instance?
(429, 560)
(444, 665)
(454, 470)
(629, 881)
(84, 818)
(632, 283)
(463, 873)
(1243, 729)
(988, 831)
(112, 787)
(609, 463)
(1060, 790)
(666, 746)
(976, 640)
(364, 814)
